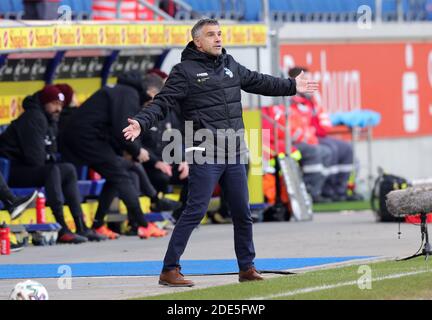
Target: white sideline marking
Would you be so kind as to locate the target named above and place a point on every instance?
(336, 285)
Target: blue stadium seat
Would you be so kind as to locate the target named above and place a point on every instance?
(66, 3)
(389, 10)
(197, 8)
(287, 10)
(253, 10)
(87, 8)
(5, 168)
(297, 8)
(428, 9)
(82, 172)
(415, 10)
(351, 7)
(96, 187)
(5, 9)
(84, 187)
(209, 8)
(77, 9)
(323, 11)
(279, 10)
(311, 9)
(17, 8)
(22, 192)
(81, 9)
(406, 8)
(336, 11)
(212, 8)
(232, 9)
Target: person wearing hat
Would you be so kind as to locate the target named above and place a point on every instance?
(30, 142)
(70, 105)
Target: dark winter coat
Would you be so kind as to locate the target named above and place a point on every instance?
(207, 90)
(93, 133)
(30, 140)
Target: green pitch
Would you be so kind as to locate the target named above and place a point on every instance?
(381, 280)
(341, 206)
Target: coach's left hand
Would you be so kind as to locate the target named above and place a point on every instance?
(132, 131)
(304, 85)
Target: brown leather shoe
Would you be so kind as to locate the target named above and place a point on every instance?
(250, 275)
(174, 278)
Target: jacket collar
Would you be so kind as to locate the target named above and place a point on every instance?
(192, 53)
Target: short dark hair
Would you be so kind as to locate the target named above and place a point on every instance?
(153, 81)
(200, 24)
(295, 71)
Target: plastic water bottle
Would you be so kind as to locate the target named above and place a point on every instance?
(40, 208)
(4, 239)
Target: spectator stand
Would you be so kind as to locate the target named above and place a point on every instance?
(307, 11)
(279, 11)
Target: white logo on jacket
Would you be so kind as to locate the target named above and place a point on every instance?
(228, 72)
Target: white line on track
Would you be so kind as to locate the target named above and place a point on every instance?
(332, 286)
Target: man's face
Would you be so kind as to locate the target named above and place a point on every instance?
(210, 40)
(151, 92)
(54, 108)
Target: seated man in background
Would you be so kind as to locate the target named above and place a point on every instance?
(15, 205)
(139, 176)
(342, 158)
(93, 137)
(69, 107)
(315, 158)
(30, 142)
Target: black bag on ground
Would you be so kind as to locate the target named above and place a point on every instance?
(384, 184)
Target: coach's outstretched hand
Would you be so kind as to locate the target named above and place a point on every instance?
(304, 85)
(132, 131)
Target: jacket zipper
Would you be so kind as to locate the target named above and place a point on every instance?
(225, 103)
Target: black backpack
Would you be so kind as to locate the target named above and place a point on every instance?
(384, 184)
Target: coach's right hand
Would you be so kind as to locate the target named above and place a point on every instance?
(132, 131)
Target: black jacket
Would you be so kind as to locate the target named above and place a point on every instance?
(207, 90)
(31, 139)
(93, 133)
(152, 140)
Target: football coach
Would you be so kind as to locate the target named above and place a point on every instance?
(206, 86)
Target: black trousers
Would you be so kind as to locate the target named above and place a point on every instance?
(141, 179)
(202, 181)
(118, 183)
(60, 182)
(6, 196)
